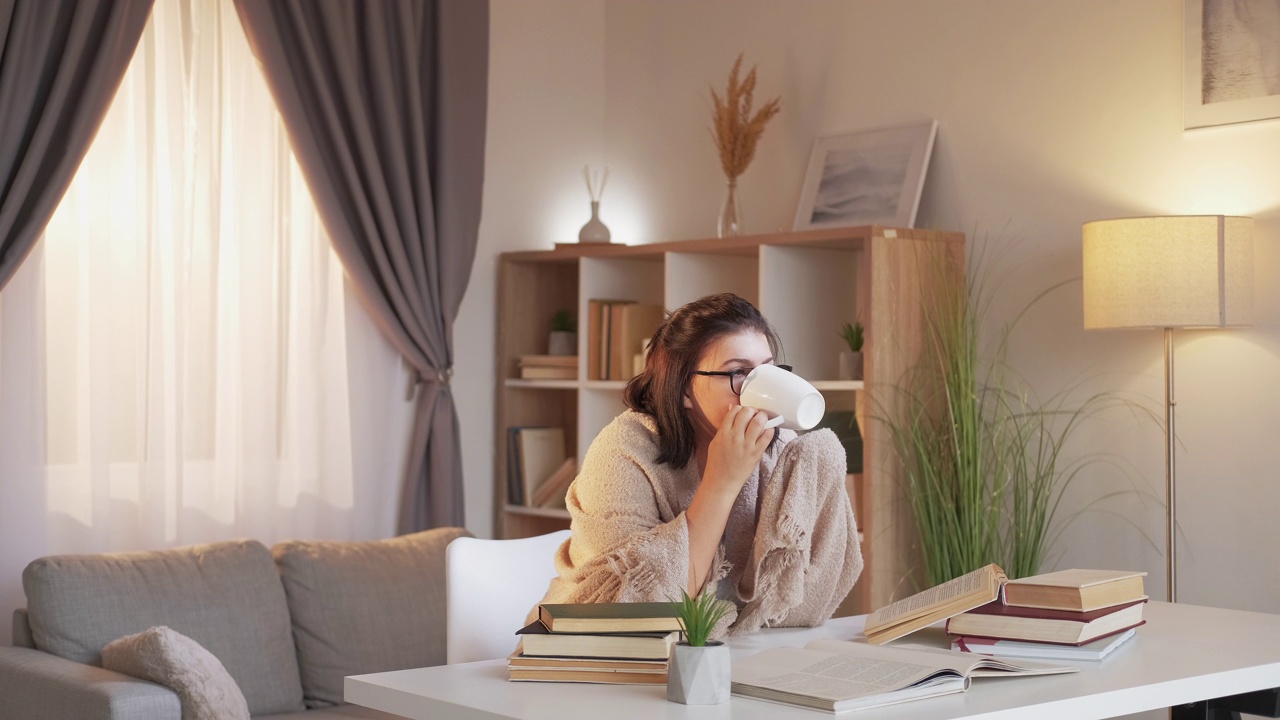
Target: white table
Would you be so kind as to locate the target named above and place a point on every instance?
(1185, 653)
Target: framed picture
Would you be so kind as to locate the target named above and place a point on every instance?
(1231, 65)
(870, 177)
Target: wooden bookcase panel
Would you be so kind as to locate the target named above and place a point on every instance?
(808, 294)
(529, 294)
(694, 275)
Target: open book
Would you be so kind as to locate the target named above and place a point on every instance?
(840, 675)
(937, 603)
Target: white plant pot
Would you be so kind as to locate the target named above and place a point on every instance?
(562, 342)
(850, 365)
(699, 675)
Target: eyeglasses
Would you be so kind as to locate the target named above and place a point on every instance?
(736, 376)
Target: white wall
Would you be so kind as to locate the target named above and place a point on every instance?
(546, 109)
(1051, 114)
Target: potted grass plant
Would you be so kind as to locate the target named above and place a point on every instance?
(983, 456)
(851, 359)
(698, 673)
(564, 337)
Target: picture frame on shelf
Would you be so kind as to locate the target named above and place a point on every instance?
(868, 177)
(1231, 62)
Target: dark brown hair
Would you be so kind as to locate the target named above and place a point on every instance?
(674, 352)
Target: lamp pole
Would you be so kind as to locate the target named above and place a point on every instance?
(1171, 519)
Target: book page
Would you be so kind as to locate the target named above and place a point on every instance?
(934, 659)
(980, 583)
(831, 676)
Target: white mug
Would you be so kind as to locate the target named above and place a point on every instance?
(788, 398)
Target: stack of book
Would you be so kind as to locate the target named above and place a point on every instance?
(617, 643)
(549, 367)
(1070, 614)
(616, 332)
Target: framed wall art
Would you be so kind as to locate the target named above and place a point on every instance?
(870, 177)
(1231, 61)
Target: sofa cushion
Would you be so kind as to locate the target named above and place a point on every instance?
(225, 596)
(171, 659)
(364, 607)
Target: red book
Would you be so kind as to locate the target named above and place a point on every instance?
(1063, 627)
(999, 608)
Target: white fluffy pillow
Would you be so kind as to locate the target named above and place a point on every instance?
(166, 657)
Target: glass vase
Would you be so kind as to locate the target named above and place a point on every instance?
(730, 212)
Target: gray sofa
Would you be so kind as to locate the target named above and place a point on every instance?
(287, 623)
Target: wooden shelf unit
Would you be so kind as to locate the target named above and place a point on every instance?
(806, 283)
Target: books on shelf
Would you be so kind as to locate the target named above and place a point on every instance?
(997, 620)
(534, 455)
(1075, 589)
(937, 603)
(548, 367)
(550, 493)
(1096, 650)
(537, 640)
(616, 330)
(840, 675)
(609, 617)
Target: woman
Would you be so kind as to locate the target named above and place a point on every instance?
(688, 488)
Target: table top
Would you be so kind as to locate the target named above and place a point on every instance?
(1183, 654)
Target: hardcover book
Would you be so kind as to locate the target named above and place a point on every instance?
(536, 640)
(1076, 589)
(999, 622)
(1093, 651)
(609, 617)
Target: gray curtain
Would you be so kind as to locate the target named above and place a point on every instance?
(385, 102)
(61, 62)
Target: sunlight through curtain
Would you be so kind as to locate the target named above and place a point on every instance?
(195, 369)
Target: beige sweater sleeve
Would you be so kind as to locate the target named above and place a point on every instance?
(628, 543)
(805, 556)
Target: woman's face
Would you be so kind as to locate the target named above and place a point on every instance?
(709, 397)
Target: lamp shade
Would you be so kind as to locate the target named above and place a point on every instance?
(1176, 271)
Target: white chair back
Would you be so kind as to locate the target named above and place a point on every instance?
(491, 585)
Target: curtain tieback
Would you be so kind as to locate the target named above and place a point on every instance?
(442, 377)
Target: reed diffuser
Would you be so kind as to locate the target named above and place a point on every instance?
(594, 231)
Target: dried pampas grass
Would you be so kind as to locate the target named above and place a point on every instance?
(734, 128)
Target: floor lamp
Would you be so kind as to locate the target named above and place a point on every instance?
(1186, 271)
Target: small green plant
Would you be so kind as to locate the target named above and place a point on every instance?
(699, 616)
(562, 321)
(852, 334)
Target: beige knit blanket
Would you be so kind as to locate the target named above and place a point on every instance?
(790, 551)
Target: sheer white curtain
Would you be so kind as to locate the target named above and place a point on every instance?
(174, 357)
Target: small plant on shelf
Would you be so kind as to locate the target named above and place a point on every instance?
(564, 338)
(562, 321)
(699, 616)
(852, 334)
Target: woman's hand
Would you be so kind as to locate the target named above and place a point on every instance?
(733, 454)
(736, 449)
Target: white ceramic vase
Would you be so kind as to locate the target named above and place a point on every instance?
(699, 675)
(562, 342)
(594, 231)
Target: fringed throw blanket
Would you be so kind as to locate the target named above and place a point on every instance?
(788, 556)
